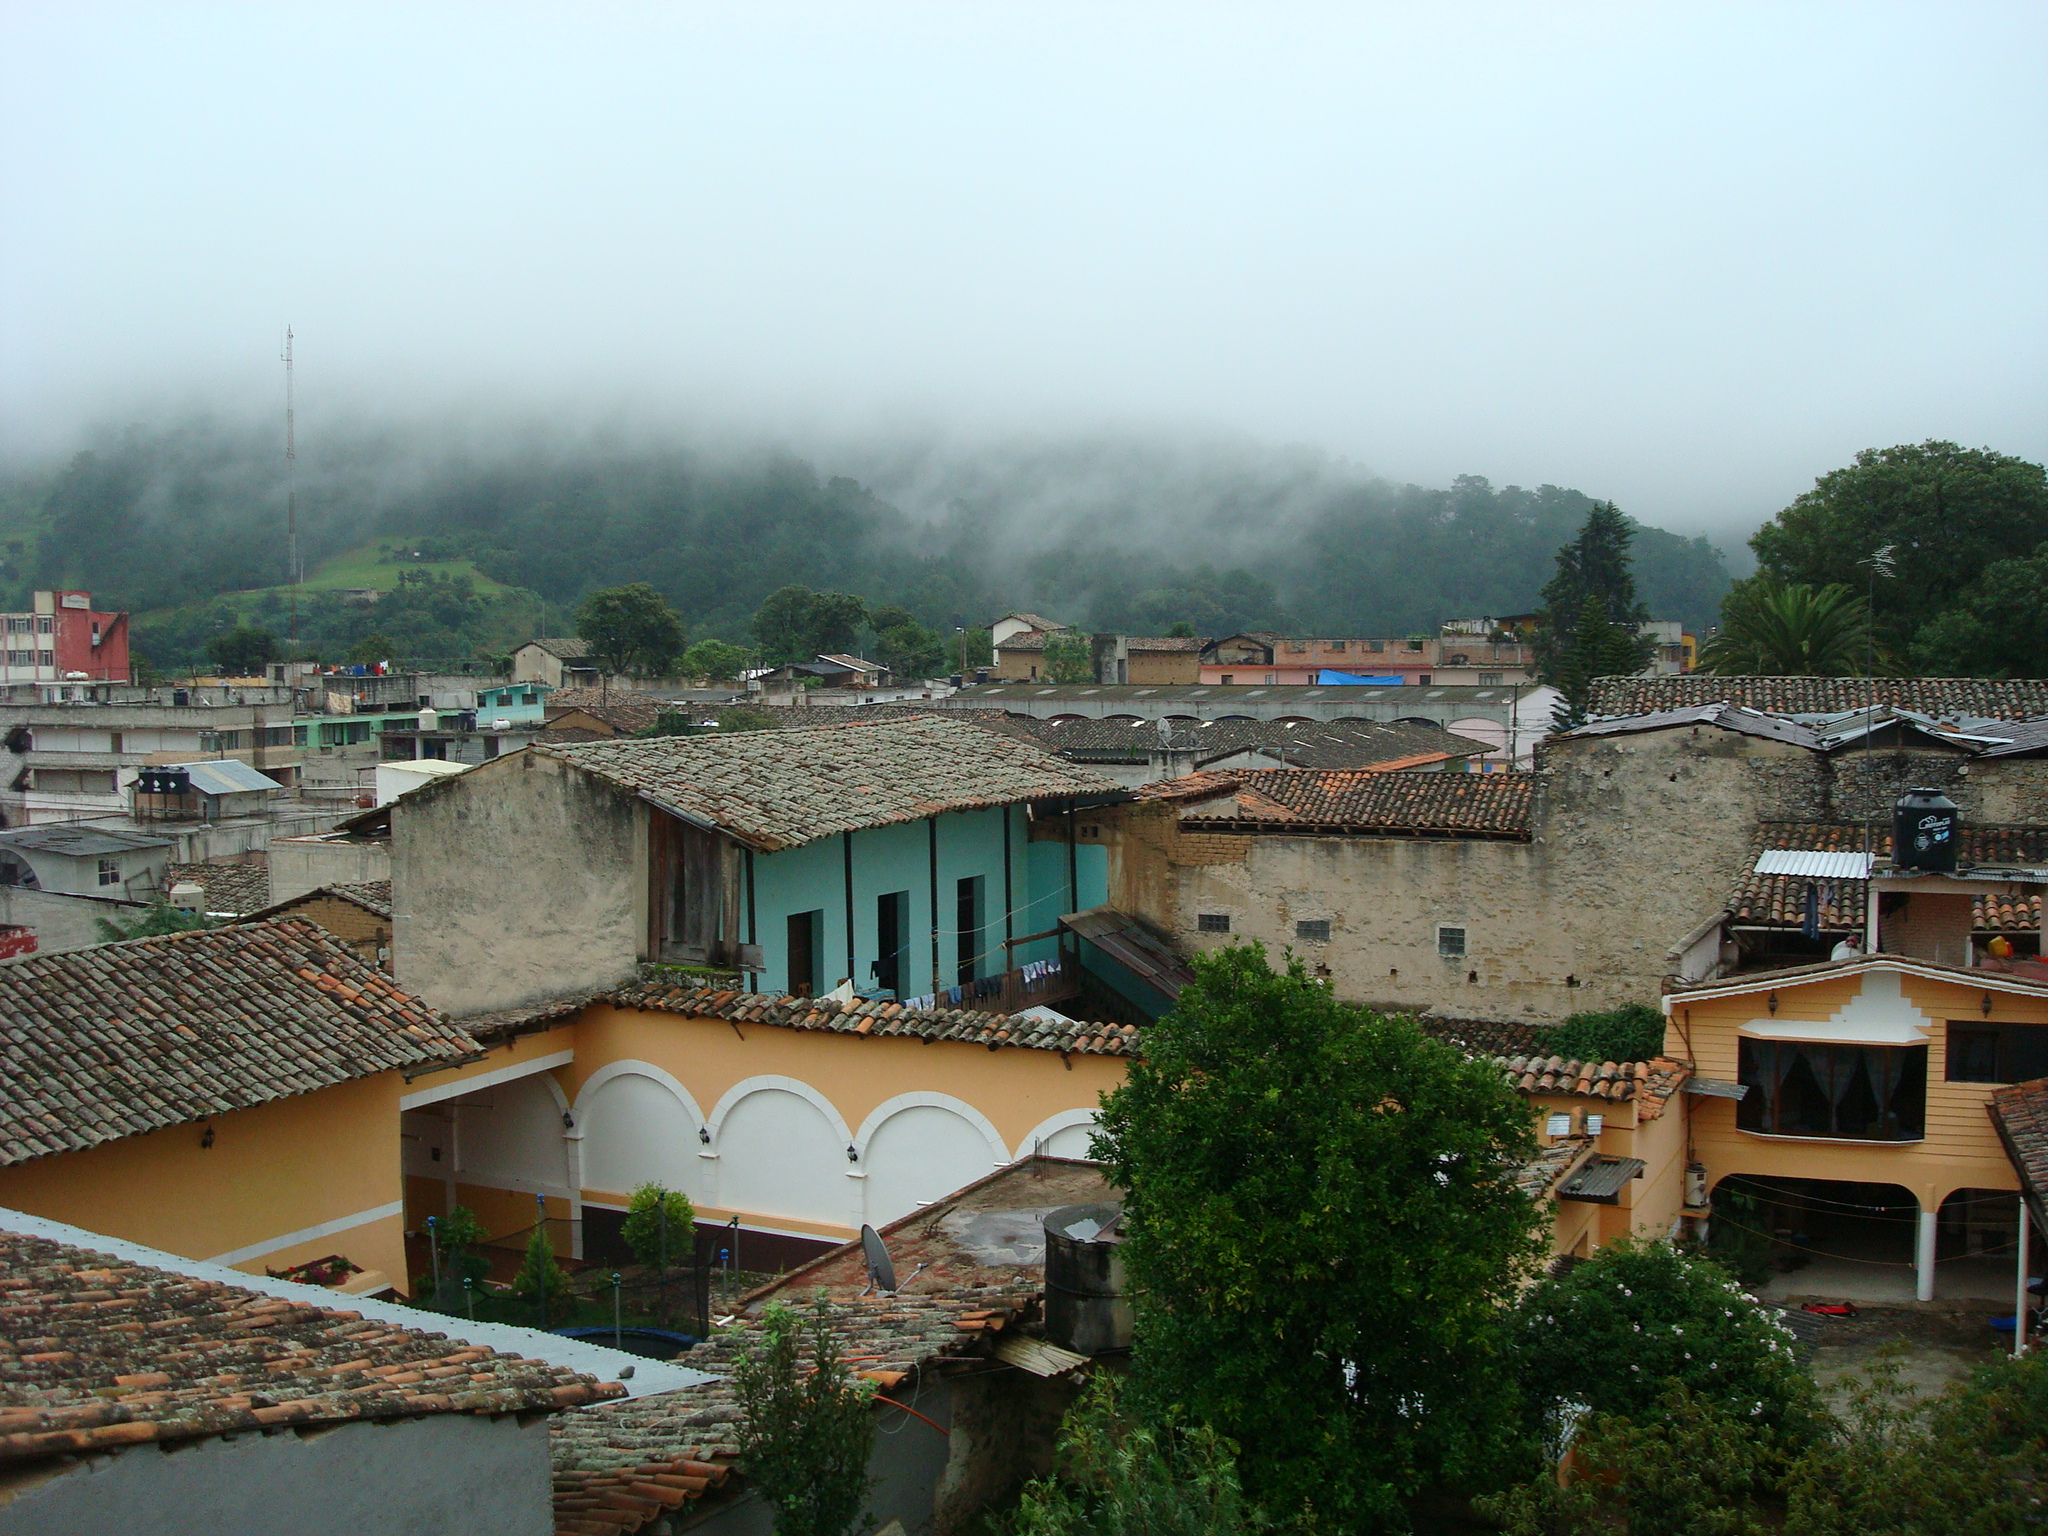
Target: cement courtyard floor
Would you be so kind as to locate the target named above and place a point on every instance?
(1936, 1347)
(1973, 1284)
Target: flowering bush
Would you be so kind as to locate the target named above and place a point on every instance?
(1618, 1330)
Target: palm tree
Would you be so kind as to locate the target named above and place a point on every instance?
(1786, 629)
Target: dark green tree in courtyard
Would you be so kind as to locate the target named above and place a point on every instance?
(1325, 1232)
(630, 629)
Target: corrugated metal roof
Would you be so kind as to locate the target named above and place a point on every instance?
(1601, 1180)
(79, 840)
(1124, 940)
(225, 776)
(1813, 864)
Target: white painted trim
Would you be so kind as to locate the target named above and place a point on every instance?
(1066, 1119)
(628, 1067)
(308, 1234)
(888, 1108)
(764, 1083)
(456, 1090)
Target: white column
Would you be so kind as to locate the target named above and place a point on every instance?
(2019, 1309)
(1924, 1258)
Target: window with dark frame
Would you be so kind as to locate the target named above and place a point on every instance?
(1313, 930)
(1450, 943)
(892, 940)
(1821, 1089)
(1980, 1052)
(1212, 922)
(806, 951)
(110, 872)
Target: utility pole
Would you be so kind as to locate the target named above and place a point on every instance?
(291, 504)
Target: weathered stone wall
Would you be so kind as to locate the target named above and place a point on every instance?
(1636, 839)
(520, 880)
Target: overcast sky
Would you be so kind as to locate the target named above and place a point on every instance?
(1688, 256)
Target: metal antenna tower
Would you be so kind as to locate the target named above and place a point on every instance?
(291, 502)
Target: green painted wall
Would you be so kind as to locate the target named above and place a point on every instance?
(899, 858)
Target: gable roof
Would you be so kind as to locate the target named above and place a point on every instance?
(2019, 1113)
(1162, 643)
(1988, 698)
(104, 1043)
(780, 789)
(1277, 800)
(373, 896)
(1296, 743)
(628, 712)
(108, 1352)
(562, 647)
(1036, 621)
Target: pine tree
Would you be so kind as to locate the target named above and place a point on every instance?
(1590, 623)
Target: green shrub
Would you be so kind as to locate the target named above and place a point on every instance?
(1617, 1331)
(806, 1427)
(661, 1226)
(1632, 1032)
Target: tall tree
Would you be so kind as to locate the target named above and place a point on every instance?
(1786, 629)
(1590, 623)
(1998, 627)
(1324, 1232)
(794, 623)
(243, 651)
(1069, 659)
(1948, 511)
(905, 646)
(630, 628)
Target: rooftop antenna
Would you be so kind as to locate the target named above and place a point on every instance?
(291, 502)
(1877, 563)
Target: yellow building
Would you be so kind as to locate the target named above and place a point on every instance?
(1849, 1109)
(230, 1095)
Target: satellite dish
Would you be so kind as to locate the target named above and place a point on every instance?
(881, 1270)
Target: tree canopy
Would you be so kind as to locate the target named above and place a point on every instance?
(243, 651)
(1324, 1234)
(1997, 628)
(794, 623)
(630, 629)
(1947, 512)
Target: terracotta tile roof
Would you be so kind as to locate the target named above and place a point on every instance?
(563, 647)
(1161, 643)
(1038, 622)
(103, 1043)
(880, 1019)
(1946, 697)
(622, 1466)
(774, 789)
(1486, 1037)
(626, 712)
(1360, 800)
(1303, 744)
(1023, 642)
(1190, 786)
(373, 896)
(1552, 1165)
(1779, 901)
(98, 1352)
(985, 1234)
(504, 1023)
(1648, 1083)
(233, 889)
(2019, 1113)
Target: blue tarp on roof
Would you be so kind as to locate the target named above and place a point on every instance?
(1352, 677)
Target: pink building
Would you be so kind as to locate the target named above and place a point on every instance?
(1450, 661)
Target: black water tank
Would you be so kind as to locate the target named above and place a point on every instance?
(1925, 825)
(1085, 1309)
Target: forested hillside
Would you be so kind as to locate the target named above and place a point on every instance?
(171, 524)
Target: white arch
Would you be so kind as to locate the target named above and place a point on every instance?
(764, 1083)
(599, 1156)
(974, 1117)
(1045, 1130)
(626, 1065)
